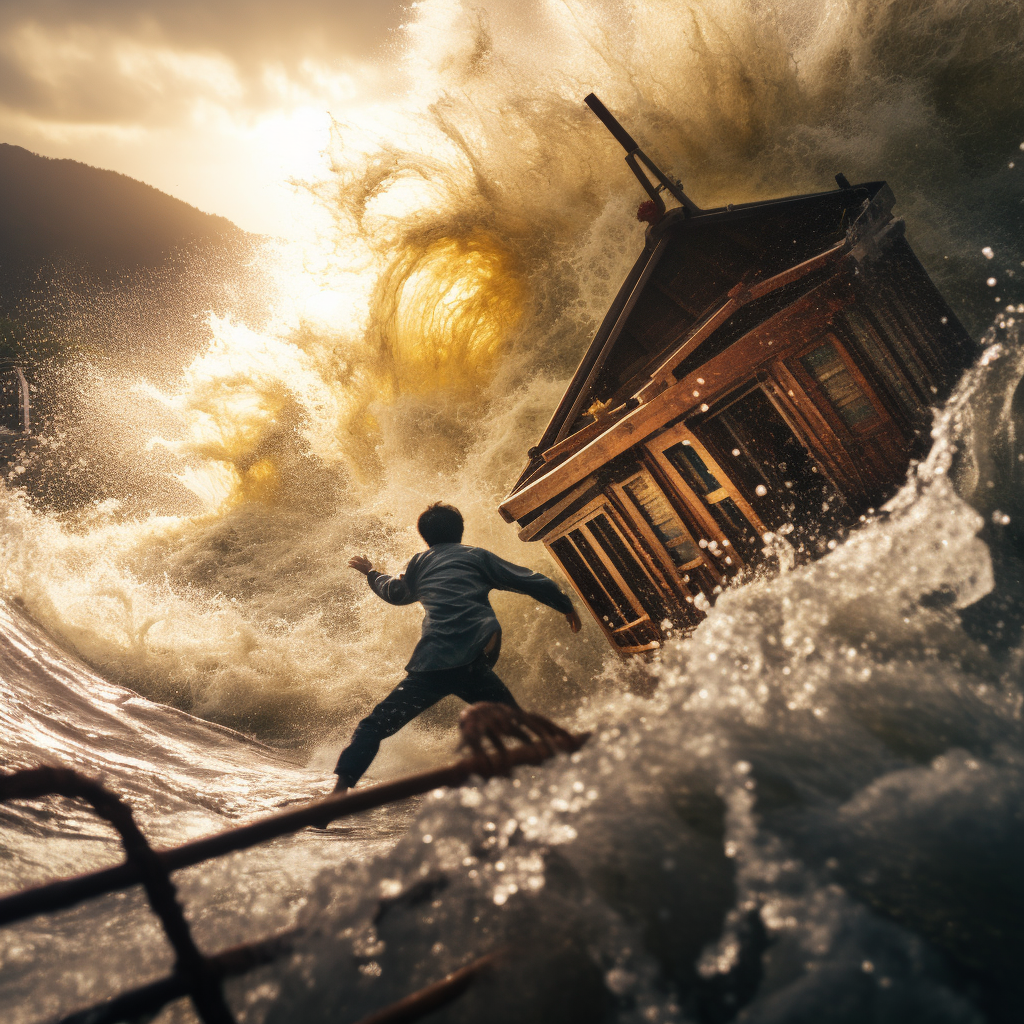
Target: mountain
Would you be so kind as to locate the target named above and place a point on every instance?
(60, 209)
(102, 278)
(92, 261)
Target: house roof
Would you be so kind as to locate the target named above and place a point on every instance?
(682, 279)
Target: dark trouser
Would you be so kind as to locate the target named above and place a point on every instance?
(411, 697)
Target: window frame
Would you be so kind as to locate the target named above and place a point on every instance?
(639, 522)
(819, 398)
(696, 503)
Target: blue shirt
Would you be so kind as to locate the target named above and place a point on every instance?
(452, 582)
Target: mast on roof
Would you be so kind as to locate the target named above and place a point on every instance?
(635, 156)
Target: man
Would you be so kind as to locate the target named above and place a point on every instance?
(461, 636)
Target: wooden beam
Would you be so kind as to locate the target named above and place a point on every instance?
(739, 297)
(531, 530)
(702, 386)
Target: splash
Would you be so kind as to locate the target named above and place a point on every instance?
(482, 224)
(453, 314)
(822, 763)
(814, 814)
(240, 402)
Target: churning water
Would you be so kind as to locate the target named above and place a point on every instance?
(817, 815)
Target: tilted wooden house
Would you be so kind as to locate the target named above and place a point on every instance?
(765, 368)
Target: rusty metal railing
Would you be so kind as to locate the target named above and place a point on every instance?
(200, 977)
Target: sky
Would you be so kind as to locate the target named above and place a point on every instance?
(219, 103)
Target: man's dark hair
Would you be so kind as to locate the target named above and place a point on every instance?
(440, 524)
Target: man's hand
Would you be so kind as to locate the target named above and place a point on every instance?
(362, 564)
(573, 618)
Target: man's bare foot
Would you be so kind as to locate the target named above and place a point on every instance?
(339, 789)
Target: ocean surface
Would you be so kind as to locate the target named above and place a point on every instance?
(811, 810)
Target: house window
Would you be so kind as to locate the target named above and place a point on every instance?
(666, 525)
(776, 470)
(668, 537)
(695, 470)
(831, 373)
(613, 613)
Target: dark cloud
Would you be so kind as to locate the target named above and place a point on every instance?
(135, 61)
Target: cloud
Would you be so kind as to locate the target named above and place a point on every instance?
(149, 62)
(245, 30)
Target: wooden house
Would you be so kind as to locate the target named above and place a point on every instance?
(766, 368)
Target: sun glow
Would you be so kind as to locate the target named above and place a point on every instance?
(223, 133)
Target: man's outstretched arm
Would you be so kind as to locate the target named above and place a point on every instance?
(392, 589)
(509, 576)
